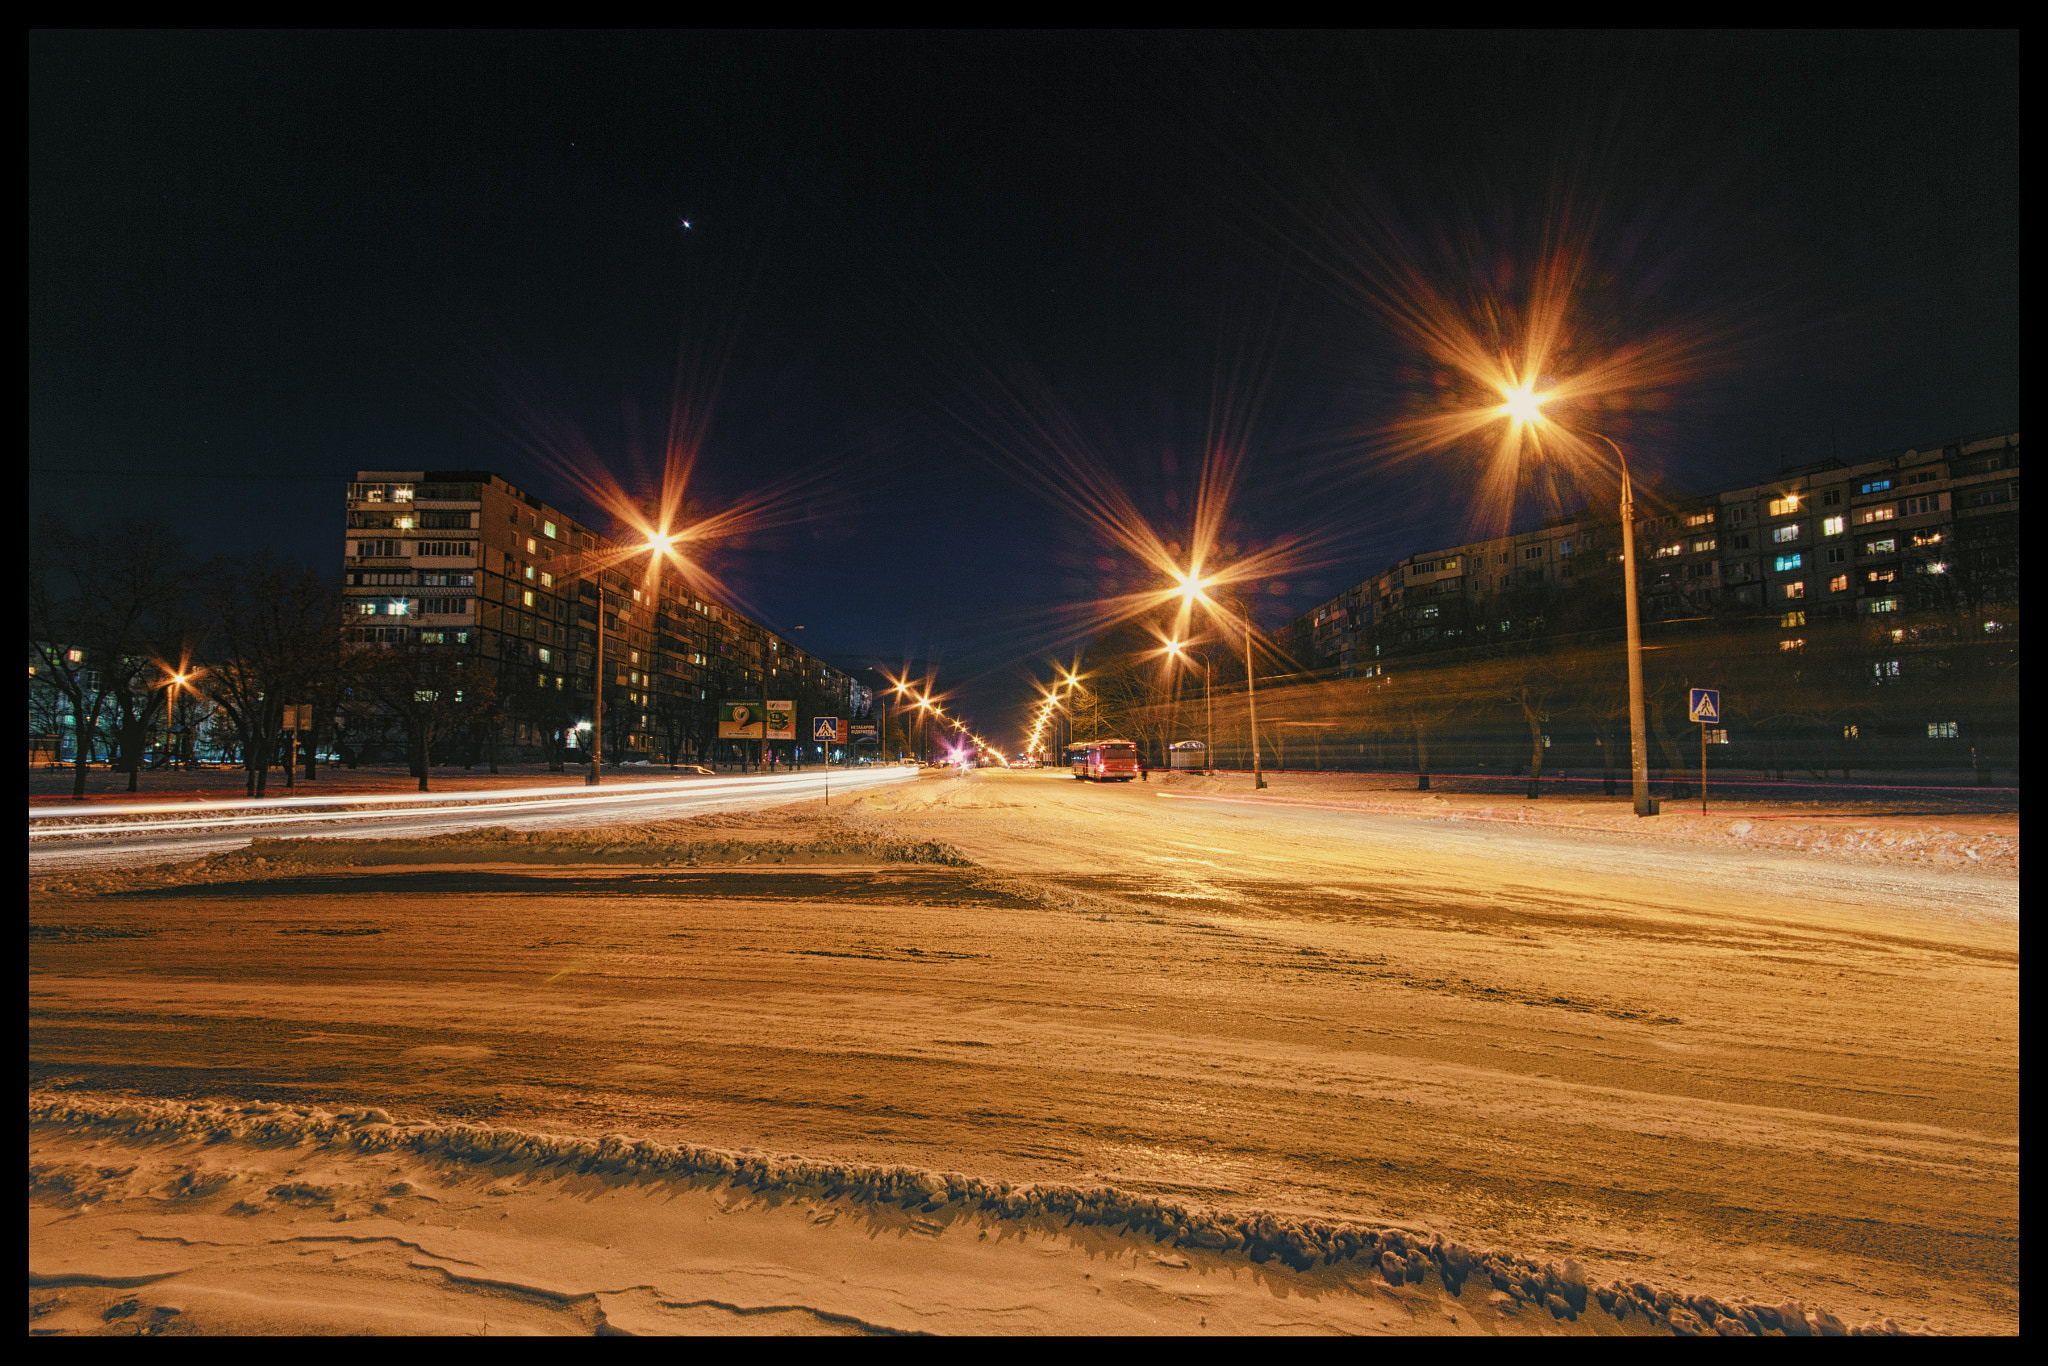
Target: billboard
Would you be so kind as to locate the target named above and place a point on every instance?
(830, 730)
(739, 720)
(781, 720)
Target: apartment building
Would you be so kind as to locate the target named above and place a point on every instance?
(464, 558)
(1887, 538)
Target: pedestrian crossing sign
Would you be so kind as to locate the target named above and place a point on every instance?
(1706, 706)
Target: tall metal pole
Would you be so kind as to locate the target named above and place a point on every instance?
(170, 705)
(1209, 701)
(1251, 695)
(597, 698)
(1638, 737)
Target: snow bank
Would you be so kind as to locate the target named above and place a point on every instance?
(678, 844)
(1400, 1255)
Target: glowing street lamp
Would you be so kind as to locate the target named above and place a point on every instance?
(1524, 406)
(171, 686)
(1190, 592)
(656, 545)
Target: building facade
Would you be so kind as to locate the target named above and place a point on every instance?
(466, 559)
(1885, 539)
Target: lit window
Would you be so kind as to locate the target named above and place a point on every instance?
(526, 598)
(545, 657)
(1789, 645)
(1883, 547)
(75, 656)
(1429, 611)
(1875, 486)
(548, 530)
(1941, 730)
(547, 580)
(1792, 619)
(1704, 543)
(363, 609)
(1717, 736)
(1992, 628)
(1700, 519)
(1783, 534)
(1795, 590)
(374, 494)
(1869, 515)
(1782, 507)
(1938, 567)
(1926, 538)
(1839, 584)
(1884, 668)
(532, 546)
(1899, 637)
(529, 573)
(404, 523)
(1834, 526)
(1881, 605)
(1882, 575)
(397, 607)
(1664, 551)
(1788, 562)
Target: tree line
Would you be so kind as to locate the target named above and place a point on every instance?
(118, 612)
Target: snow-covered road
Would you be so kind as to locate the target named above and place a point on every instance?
(1744, 1071)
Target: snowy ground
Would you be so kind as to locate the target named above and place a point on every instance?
(1698, 1063)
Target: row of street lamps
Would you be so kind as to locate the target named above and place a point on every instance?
(1521, 406)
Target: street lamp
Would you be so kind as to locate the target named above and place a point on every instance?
(175, 682)
(1524, 405)
(1190, 592)
(655, 545)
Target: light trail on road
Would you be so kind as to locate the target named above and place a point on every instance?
(137, 833)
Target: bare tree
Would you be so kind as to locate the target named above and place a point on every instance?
(276, 641)
(103, 611)
(436, 691)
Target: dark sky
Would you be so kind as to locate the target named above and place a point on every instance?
(260, 262)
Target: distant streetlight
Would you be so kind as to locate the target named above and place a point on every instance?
(1190, 592)
(171, 686)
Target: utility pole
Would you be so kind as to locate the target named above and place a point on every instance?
(1251, 695)
(597, 697)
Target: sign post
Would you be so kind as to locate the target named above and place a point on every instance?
(1705, 709)
(828, 730)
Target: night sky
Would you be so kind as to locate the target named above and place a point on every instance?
(260, 262)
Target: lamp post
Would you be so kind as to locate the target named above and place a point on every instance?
(1251, 694)
(170, 705)
(655, 545)
(1638, 740)
(1524, 405)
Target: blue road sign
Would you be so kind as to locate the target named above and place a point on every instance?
(826, 728)
(1706, 706)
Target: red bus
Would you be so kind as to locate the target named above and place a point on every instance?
(1106, 761)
